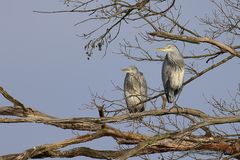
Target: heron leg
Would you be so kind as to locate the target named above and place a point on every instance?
(175, 105)
(175, 101)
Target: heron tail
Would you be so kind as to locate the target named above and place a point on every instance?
(170, 97)
(136, 109)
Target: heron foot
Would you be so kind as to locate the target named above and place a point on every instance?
(177, 107)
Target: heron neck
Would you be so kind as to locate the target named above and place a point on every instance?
(133, 78)
(175, 60)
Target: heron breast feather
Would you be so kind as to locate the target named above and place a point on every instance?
(133, 99)
(176, 79)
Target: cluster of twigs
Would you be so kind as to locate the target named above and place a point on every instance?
(99, 127)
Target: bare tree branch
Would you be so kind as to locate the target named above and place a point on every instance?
(196, 40)
(163, 130)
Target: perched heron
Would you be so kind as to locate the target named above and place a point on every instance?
(135, 89)
(172, 72)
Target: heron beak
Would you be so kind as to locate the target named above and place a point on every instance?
(162, 49)
(125, 70)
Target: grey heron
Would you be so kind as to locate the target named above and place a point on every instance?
(172, 72)
(135, 89)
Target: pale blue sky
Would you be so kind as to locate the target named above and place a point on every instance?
(44, 66)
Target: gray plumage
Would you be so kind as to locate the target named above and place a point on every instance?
(135, 89)
(172, 72)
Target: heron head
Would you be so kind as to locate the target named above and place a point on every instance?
(131, 70)
(170, 48)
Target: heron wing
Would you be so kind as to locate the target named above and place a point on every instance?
(143, 85)
(167, 90)
(143, 92)
(167, 77)
(165, 74)
(128, 92)
(133, 88)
